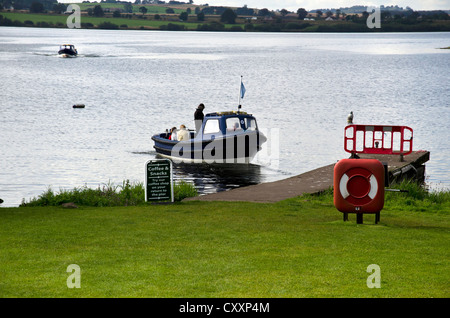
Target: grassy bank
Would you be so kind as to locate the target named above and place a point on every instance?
(172, 22)
(296, 248)
(151, 9)
(57, 20)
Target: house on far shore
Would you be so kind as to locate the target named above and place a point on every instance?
(291, 16)
(329, 19)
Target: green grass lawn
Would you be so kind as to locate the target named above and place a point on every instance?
(55, 19)
(151, 9)
(299, 247)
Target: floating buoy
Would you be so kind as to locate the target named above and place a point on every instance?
(78, 106)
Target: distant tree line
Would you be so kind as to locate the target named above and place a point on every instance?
(41, 5)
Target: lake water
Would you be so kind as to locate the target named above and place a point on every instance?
(134, 84)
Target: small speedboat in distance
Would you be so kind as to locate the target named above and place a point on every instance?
(224, 137)
(67, 50)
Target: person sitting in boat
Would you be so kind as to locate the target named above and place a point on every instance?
(183, 133)
(173, 134)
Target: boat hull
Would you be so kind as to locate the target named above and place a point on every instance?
(230, 149)
(67, 53)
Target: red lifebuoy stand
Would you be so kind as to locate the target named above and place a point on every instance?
(359, 187)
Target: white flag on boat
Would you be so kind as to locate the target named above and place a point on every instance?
(242, 90)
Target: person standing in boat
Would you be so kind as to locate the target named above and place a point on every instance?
(198, 117)
(183, 133)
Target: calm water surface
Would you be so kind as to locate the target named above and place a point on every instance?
(300, 87)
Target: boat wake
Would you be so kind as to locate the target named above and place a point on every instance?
(45, 54)
(94, 55)
(78, 56)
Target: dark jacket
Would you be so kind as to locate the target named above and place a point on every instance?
(198, 115)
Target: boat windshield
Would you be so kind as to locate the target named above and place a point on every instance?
(211, 126)
(233, 124)
(251, 124)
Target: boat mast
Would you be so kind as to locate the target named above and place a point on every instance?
(241, 94)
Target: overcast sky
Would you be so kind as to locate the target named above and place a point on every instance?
(293, 5)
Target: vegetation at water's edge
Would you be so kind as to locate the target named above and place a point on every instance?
(417, 196)
(133, 194)
(127, 194)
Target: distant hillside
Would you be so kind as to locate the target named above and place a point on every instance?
(361, 9)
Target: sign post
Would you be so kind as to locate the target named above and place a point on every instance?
(158, 180)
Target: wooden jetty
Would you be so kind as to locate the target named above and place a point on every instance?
(320, 179)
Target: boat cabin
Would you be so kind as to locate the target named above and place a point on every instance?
(226, 123)
(67, 47)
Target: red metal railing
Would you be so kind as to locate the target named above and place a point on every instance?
(378, 139)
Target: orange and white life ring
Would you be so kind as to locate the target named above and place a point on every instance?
(358, 186)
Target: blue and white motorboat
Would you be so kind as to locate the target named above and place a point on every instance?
(67, 50)
(224, 137)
